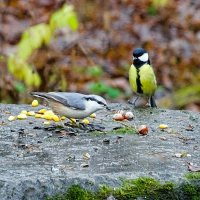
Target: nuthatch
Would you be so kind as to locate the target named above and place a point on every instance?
(72, 105)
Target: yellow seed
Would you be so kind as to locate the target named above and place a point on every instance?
(49, 112)
(63, 118)
(35, 103)
(42, 111)
(73, 121)
(42, 116)
(93, 115)
(30, 113)
(48, 117)
(21, 116)
(24, 112)
(163, 126)
(85, 121)
(46, 122)
(11, 118)
(56, 118)
(38, 115)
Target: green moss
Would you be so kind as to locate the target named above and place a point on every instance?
(191, 188)
(104, 192)
(193, 176)
(143, 187)
(120, 130)
(75, 192)
(124, 130)
(97, 133)
(148, 188)
(189, 191)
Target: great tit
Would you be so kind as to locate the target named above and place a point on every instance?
(141, 76)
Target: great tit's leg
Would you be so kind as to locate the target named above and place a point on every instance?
(152, 102)
(133, 102)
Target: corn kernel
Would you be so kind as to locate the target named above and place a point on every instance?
(35, 103)
(85, 121)
(23, 112)
(56, 118)
(42, 116)
(11, 118)
(42, 111)
(163, 126)
(46, 122)
(63, 118)
(21, 116)
(49, 112)
(93, 115)
(73, 121)
(30, 113)
(48, 117)
(38, 115)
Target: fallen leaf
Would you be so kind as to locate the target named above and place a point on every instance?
(189, 128)
(86, 156)
(193, 168)
(84, 165)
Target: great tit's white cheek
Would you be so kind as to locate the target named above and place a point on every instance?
(144, 57)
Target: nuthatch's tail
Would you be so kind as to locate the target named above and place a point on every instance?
(152, 102)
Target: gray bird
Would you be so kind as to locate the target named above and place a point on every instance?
(72, 105)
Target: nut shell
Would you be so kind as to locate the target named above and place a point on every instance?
(143, 130)
(118, 117)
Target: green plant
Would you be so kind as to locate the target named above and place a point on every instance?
(34, 38)
(103, 88)
(94, 71)
(75, 192)
(156, 5)
(187, 95)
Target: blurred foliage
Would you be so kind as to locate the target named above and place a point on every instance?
(94, 71)
(102, 88)
(34, 38)
(94, 57)
(186, 95)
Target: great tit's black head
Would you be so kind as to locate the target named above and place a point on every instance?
(140, 55)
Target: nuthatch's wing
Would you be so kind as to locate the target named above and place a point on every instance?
(72, 100)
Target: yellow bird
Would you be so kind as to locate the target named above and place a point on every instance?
(141, 76)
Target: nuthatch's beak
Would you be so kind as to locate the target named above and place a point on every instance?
(108, 108)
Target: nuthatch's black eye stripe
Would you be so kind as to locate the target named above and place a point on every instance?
(93, 99)
(99, 102)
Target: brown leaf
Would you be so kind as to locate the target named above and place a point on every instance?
(193, 168)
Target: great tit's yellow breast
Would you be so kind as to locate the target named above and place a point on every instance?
(133, 77)
(148, 80)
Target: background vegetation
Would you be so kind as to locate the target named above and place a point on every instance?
(86, 46)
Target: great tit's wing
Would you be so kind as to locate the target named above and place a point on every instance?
(72, 100)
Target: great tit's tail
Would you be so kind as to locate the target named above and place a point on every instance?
(152, 102)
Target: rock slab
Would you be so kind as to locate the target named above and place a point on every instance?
(40, 160)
